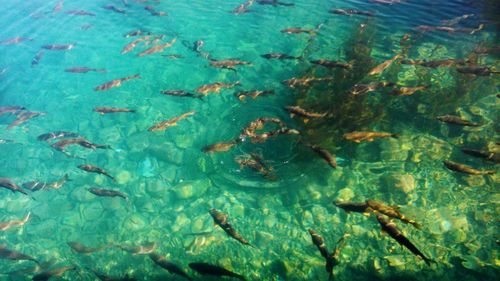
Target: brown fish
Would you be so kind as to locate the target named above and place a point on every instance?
(169, 266)
(325, 154)
(221, 220)
(59, 271)
(407, 91)
(297, 30)
(61, 145)
(358, 137)
(136, 33)
(390, 211)
(145, 249)
(383, 66)
(219, 147)
(157, 48)
(95, 169)
(130, 46)
(59, 47)
(4, 226)
(297, 110)
(115, 83)
(181, 93)
(24, 116)
(348, 206)
(257, 124)
(457, 120)
(115, 9)
(435, 63)
(391, 229)
(154, 12)
(82, 249)
(8, 184)
(279, 56)
(457, 167)
(228, 63)
(8, 254)
(359, 89)
(170, 123)
(37, 185)
(332, 64)
(215, 87)
(253, 94)
(15, 40)
(107, 193)
(350, 12)
(450, 29)
(477, 70)
(485, 154)
(260, 138)
(80, 13)
(84, 70)
(332, 259)
(105, 110)
(11, 109)
(304, 81)
(256, 163)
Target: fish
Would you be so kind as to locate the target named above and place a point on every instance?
(325, 154)
(435, 63)
(115, 9)
(209, 269)
(80, 13)
(8, 184)
(457, 167)
(407, 91)
(4, 226)
(304, 81)
(105, 110)
(15, 40)
(332, 64)
(456, 20)
(279, 56)
(154, 12)
(58, 271)
(388, 2)
(243, 8)
(173, 56)
(84, 70)
(390, 211)
(24, 116)
(86, 26)
(357, 207)
(130, 46)
(169, 266)
(487, 51)
(477, 70)
(8, 254)
(61, 145)
(215, 87)
(157, 48)
(115, 83)
(257, 124)
(260, 138)
(359, 89)
(95, 169)
(228, 63)
(82, 249)
(136, 32)
(107, 193)
(485, 154)
(297, 110)
(330, 258)
(221, 220)
(253, 94)
(59, 47)
(104, 277)
(349, 12)
(297, 30)
(145, 249)
(383, 66)
(358, 137)
(391, 229)
(449, 29)
(58, 7)
(37, 185)
(181, 93)
(219, 147)
(457, 120)
(170, 123)
(256, 163)
(11, 109)
(274, 3)
(37, 58)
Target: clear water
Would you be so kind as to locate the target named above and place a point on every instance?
(172, 184)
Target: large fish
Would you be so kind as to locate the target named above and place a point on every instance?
(8, 254)
(325, 154)
(390, 211)
(331, 258)
(14, 223)
(95, 169)
(161, 126)
(457, 120)
(383, 66)
(107, 193)
(477, 70)
(58, 271)
(255, 162)
(348, 206)
(297, 110)
(8, 184)
(215, 87)
(208, 269)
(221, 220)
(115, 83)
(358, 137)
(457, 167)
(485, 154)
(169, 266)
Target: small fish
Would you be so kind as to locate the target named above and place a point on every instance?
(215, 87)
(23, 117)
(82, 249)
(170, 123)
(95, 169)
(145, 249)
(86, 26)
(80, 13)
(332, 64)
(84, 70)
(115, 9)
(456, 20)
(219, 147)
(181, 93)
(228, 63)
(256, 163)
(37, 58)
(104, 277)
(357, 207)
(359, 89)
(115, 83)
(8, 184)
(37, 185)
(358, 137)
(274, 3)
(390, 211)
(221, 220)
(46, 275)
(485, 154)
(11, 109)
(243, 8)
(435, 63)
(169, 266)
(304, 81)
(325, 154)
(253, 94)
(8, 254)
(387, 2)
(154, 12)
(257, 124)
(457, 167)
(15, 40)
(449, 29)
(130, 46)
(383, 66)
(59, 47)
(208, 269)
(487, 51)
(260, 138)
(107, 193)
(349, 12)
(330, 258)
(61, 145)
(157, 48)
(391, 229)
(477, 70)
(407, 91)
(173, 56)
(4, 226)
(297, 30)
(58, 7)
(279, 56)
(297, 110)
(105, 110)
(136, 33)
(457, 120)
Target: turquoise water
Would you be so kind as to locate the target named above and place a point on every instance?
(172, 184)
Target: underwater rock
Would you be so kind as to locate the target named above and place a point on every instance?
(180, 222)
(123, 177)
(396, 261)
(188, 190)
(198, 224)
(392, 150)
(155, 188)
(92, 211)
(404, 182)
(345, 194)
(262, 239)
(148, 167)
(134, 222)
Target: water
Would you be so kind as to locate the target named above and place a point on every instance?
(172, 184)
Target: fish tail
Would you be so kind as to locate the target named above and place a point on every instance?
(396, 136)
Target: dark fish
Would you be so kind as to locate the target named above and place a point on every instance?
(457, 167)
(298, 30)
(61, 145)
(169, 266)
(46, 275)
(114, 9)
(24, 116)
(457, 120)
(161, 126)
(351, 12)
(332, 64)
(82, 249)
(325, 154)
(145, 249)
(221, 220)
(274, 3)
(208, 269)
(279, 56)
(256, 163)
(59, 47)
(8, 184)
(154, 12)
(450, 29)
(37, 185)
(36, 59)
(219, 147)
(435, 63)
(14, 223)
(243, 8)
(391, 229)
(181, 93)
(358, 137)
(136, 33)
(253, 94)
(105, 110)
(348, 206)
(173, 56)
(390, 211)
(84, 69)
(14, 255)
(297, 110)
(228, 63)
(332, 259)
(107, 193)
(95, 169)
(115, 83)
(477, 70)
(485, 154)
(80, 13)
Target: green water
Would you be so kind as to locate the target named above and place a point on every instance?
(172, 184)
